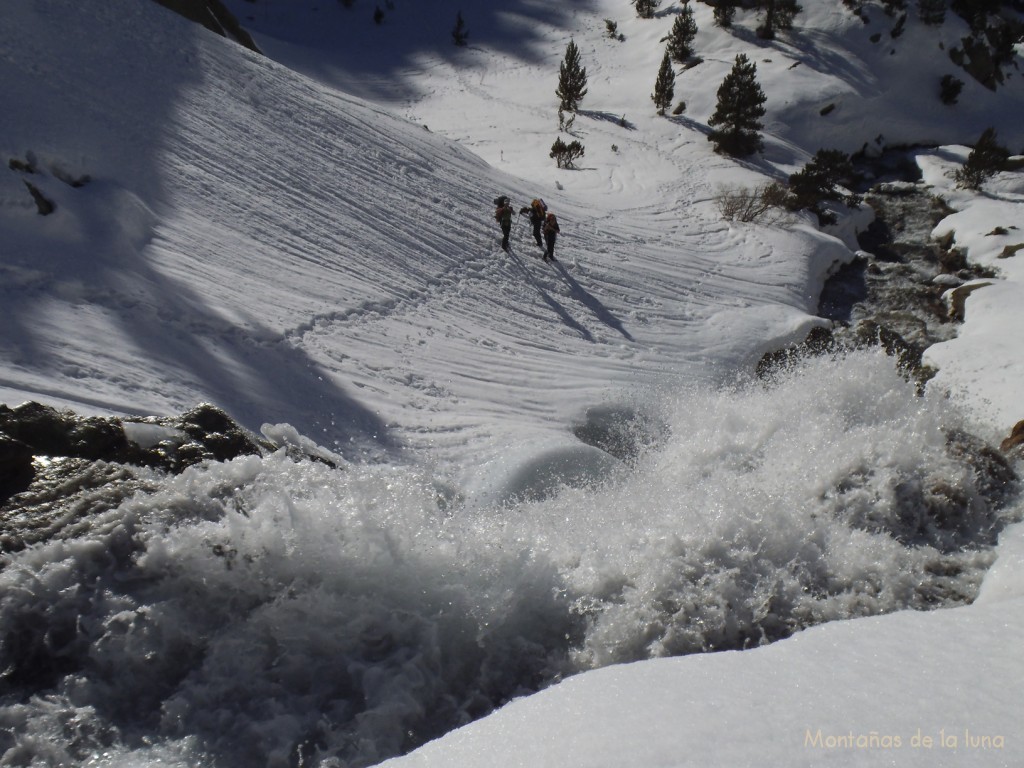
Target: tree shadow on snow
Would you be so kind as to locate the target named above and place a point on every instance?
(689, 124)
(346, 47)
(104, 281)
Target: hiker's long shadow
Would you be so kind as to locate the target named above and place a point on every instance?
(591, 302)
(561, 311)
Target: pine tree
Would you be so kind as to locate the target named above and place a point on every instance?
(974, 12)
(645, 8)
(566, 154)
(460, 34)
(985, 161)
(785, 13)
(724, 12)
(572, 80)
(664, 86)
(778, 14)
(738, 112)
(680, 39)
(932, 11)
(949, 89)
(820, 181)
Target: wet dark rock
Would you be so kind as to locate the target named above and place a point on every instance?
(868, 333)
(865, 334)
(16, 471)
(1014, 444)
(67, 496)
(218, 437)
(50, 432)
(995, 478)
(820, 340)
(204, 433)
(927, 509)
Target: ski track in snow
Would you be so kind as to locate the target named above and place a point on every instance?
(387, 312)
(296, 255)
(425, 218)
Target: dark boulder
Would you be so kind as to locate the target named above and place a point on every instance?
(819, 341)
(16, 471)
(204, 433)
(1015, 442)
(866, 333)
(49, 432)
(60, 472)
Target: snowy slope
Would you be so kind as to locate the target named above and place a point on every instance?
(348, 225)
(296, 253)
(871, 692)
(497, 95)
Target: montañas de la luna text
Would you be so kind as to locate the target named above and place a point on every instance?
(941, 739)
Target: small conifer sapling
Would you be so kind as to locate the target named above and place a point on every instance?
(985, 161)
(460, 34)
(645, 8)
(572, 80)
(566, 154)
(664, 86)
(680, 39)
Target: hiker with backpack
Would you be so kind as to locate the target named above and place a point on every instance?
(551, 231)
(536, 209)
(503, 215)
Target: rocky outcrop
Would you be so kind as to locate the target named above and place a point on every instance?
(16, 471)
(864, 334)
(957, 299)
(907, 293)
(32, 431)
(59, 470)
(1014, 444)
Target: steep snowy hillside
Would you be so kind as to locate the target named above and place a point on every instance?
(249, 237)
(838, 79)
(535, 470)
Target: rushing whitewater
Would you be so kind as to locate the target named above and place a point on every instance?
(268, 611)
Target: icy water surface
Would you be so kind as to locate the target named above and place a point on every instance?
(272, 612)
